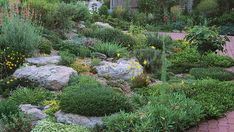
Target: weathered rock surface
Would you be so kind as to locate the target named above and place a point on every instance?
(122, 69)
(34, 111)
(103, 25)
(50, 76)
(44, 60)
(77, 119)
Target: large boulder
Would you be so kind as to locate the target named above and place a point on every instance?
(50, 76)
(33, 111)
(122, 69)
(77, 119)
(44, 60)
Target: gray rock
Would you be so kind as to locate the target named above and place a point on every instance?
(103, 25)
(33, 111)
(49, 76)
(77, 119)
(44, 60)
(123, 69)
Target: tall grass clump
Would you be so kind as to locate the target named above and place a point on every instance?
(19, 35)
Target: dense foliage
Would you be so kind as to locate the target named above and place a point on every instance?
(169, 112)
(214, 73)
(89, 98)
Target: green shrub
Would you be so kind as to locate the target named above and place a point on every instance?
(89, 98)
(212, 59)
(149, 58)
(214, 96)
(54, 38)
(167, 112)
(103, 10)
(110, 49)
(185, 60)
(157, 41)
(84, 51)
(45, 46)
(112, 35)
(214, 73)
(30, 96)
(206, 39)
(207, 6)
(226, 18)
(15, 123)
(70, 47)
(8, 107)
(81, 12)
(47, 125)
(67, 58)
(19, 35)
(64, 15)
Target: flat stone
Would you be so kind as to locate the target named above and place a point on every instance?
(44, 60)
(78, 119)
(50, 76)
(33, 111)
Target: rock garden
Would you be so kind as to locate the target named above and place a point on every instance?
(64, 68)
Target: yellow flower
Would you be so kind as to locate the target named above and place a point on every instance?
(145, 62)
(118, 55)
(152, 47)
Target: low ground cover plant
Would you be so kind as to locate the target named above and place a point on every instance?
(214, 96)
(167, 112)
(48, 125)
(214, 73)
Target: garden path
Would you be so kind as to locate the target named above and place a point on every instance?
(226, 123)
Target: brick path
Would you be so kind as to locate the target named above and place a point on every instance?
(226, 123)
